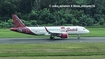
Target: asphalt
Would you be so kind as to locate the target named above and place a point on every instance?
(46, 40)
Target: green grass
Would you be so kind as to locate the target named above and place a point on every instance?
(72, 49)
(61, 49)
(57, 57)
(6, 33)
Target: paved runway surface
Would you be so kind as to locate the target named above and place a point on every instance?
(41, 40)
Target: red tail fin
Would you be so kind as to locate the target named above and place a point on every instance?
(17, 21)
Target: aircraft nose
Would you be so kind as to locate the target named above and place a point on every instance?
(87, 31)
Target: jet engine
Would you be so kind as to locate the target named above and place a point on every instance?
(63, 35)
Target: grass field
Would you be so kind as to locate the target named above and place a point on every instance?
(57, 57)
(6, 33)
(52, 51)
(65, 50)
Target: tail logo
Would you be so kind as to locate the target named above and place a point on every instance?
(17, 21)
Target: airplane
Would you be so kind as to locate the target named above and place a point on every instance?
(52, 31)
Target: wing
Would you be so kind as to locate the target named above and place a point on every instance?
(55, 33)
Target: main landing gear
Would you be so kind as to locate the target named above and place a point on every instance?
(51, 37)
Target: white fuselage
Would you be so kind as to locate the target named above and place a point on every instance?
(59, 29)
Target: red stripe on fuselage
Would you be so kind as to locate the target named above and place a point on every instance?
(22, 30)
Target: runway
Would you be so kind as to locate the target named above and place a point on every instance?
(46, 40)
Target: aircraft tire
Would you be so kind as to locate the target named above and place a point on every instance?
(52, 38)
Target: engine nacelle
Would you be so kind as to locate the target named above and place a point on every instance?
(64, 35)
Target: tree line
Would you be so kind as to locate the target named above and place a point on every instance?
(41, 12)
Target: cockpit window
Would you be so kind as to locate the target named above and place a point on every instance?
(84, 29)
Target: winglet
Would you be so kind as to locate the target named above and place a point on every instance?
(37, 25)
